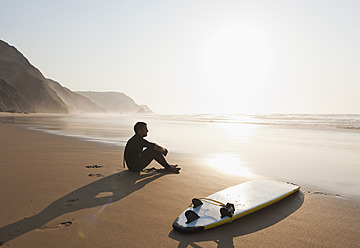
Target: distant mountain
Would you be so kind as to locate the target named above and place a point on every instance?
(23, 88)
(76, 103)
(115, 102)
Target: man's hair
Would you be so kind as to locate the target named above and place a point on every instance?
(139, 125)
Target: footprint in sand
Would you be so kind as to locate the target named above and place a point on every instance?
(96, 175)
(324, 193)
(95, 166)
(69, 202)
(55, 226)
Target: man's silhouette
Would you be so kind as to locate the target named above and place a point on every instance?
(137, 158)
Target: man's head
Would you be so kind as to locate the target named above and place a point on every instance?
(140, 128)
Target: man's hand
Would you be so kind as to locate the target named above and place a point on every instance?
(161, 149)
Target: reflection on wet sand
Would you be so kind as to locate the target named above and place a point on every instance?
(229, 163)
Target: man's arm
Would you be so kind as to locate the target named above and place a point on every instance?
(161, 149)
(157, 147)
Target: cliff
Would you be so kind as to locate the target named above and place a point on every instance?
(23, 88)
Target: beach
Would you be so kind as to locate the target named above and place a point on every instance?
(61, 191)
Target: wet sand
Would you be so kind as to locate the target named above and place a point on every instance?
(59, 191)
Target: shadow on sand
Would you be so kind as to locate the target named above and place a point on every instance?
(114, 188)
(223, 235)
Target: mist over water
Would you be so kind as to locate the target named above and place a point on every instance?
(322, 151)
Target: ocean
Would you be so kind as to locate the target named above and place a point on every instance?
(320, 151)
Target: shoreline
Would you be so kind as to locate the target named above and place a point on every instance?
(52, 199)
(193, 158)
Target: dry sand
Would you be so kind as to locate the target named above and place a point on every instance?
(49, 198)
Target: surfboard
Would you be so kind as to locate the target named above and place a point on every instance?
(232, 203)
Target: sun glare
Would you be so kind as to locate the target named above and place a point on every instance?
(237, 51)
(240, 132)
(229, 163)
(236, 67)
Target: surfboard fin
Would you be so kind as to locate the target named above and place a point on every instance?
(228, 210)
(196, 202)
(191, 216)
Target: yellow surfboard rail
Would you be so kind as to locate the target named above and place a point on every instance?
(237, 216)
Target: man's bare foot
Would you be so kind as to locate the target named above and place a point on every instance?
(172, 169)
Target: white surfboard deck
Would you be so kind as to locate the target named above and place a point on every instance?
(247, 198)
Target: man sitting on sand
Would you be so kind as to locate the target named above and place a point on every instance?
(137, 159)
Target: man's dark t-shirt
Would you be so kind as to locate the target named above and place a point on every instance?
(133, 150)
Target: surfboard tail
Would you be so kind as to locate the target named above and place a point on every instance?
(186, 229)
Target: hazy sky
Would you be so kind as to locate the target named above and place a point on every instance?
(202, 56)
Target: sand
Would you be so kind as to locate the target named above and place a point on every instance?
(50, 198)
